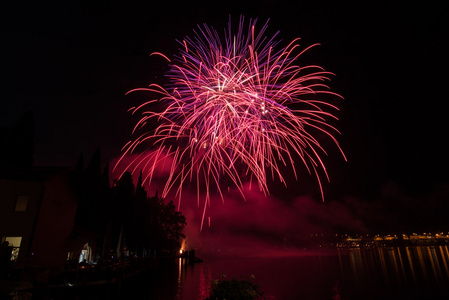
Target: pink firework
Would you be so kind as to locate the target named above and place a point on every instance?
(236, 109)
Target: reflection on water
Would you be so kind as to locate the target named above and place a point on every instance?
(420, 272)
(422, 269)
(188, 284)
(205, 279)
(357, 273)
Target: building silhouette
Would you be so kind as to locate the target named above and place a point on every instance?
(37, 212)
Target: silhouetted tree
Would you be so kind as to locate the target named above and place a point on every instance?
(123, 197)
(171, 224)
(94, 205)
(165, 225)
(149, 224)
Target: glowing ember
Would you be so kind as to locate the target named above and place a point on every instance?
(235, 109)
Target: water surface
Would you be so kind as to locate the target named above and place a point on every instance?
(377, 273)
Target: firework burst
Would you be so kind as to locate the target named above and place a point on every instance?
(235, 107)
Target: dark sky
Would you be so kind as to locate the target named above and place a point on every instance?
(71, 63)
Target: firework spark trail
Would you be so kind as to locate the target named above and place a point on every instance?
(230, 109)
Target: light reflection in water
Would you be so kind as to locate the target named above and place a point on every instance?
(179, 293)
(357, 265)
(184, 280)
(412, 268)
(203, 291)
(434, 263)
(393, 258)
(397, 265)
(415, 269)
(402, 268)
(340, 262)
(421, 259)
(383, 264)
(444, 255)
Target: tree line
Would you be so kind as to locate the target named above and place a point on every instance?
(124, 219)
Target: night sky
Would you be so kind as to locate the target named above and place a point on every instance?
(71, 64)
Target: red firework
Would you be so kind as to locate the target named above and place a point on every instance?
(235, 106)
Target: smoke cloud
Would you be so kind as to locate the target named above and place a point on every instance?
(258, 223)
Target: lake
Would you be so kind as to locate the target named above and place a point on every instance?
(419, 272)
(379, 273)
